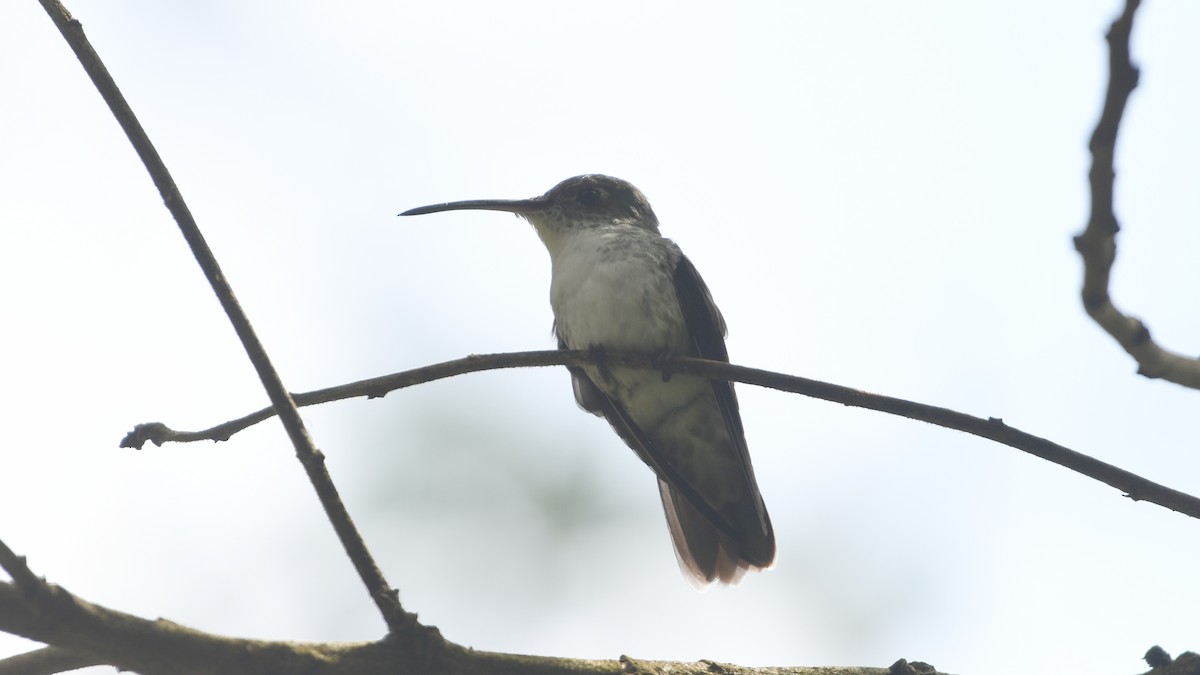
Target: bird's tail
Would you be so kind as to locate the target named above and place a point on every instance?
(705, 553)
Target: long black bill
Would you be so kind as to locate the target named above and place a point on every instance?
(510, 205)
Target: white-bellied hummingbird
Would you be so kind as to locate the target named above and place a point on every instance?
(617, 284)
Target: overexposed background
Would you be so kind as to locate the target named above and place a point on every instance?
(879, 194)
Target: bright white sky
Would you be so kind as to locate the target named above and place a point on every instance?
(880, 195)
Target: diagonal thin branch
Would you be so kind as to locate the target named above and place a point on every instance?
(313, 461)
(1134, 486)
(1097, 244)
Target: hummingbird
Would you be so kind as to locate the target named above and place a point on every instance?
(616, 283)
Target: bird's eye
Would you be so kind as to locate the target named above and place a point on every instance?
(591, 196)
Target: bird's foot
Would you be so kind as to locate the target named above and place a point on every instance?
(599, 358)
(661, 361)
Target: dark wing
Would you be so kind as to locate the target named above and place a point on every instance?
(707, 329)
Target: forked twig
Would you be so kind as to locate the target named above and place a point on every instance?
(1097, 244)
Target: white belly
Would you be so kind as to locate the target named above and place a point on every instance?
(609, 290)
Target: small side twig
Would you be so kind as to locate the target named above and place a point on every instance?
(23, 578)
(41, 611)
(313, 461)
(1136, 487)
(1097, 244)
(46, 661)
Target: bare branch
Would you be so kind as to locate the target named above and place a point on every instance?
(1134, 486)
(1097, 244)
(47, 613)
(386, 599)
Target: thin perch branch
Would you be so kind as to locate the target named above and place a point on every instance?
(385, 598)
(1134, 486)
(1097, 244)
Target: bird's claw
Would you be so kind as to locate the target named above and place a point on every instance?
(661, 361)
(599, 358)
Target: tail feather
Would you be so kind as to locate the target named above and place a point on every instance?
(705, 554)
